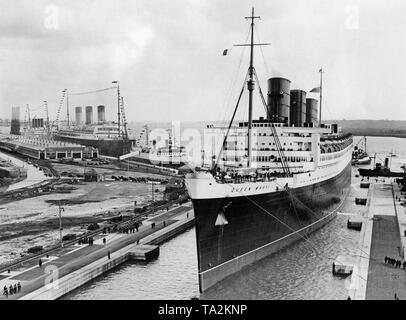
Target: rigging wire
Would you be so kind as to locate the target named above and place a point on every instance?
(231, 122)
(300, 235)
(310, 210)
(282, 156)
(262, 52)
(227, 105)
(89, 92)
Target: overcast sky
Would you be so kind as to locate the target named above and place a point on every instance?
(167, 55)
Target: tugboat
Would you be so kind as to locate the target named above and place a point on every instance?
(360, 155)
(380, 171)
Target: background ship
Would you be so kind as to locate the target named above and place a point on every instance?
(275, 180)
(111, 138)
(169, 153)
(105, 137)
(381, 171)
(360, 155)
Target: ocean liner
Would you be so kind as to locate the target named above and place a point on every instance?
(275, 180)
(111, 138)
(104, 136)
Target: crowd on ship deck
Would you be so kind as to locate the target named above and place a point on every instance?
(253, 176)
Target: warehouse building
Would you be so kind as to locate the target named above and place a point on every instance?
(44, 148)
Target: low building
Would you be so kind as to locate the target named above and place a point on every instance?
(45, 148)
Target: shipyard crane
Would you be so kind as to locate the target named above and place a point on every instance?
(123, 119)
(119, 103)
(64, 93)
(27, 114)
(47, 113)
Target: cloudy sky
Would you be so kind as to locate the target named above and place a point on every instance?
(167, 55)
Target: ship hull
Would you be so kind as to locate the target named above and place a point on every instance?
(107, 147)
(259, 225)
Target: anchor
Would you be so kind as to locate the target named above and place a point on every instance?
(221, 219)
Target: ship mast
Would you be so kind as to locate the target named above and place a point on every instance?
(321, 90)
(250, 86)
(118, 106)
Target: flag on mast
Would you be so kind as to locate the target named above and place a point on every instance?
(225, 52)
(317, 90)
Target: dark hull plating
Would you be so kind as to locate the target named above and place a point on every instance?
(111, 148)
(261, 224)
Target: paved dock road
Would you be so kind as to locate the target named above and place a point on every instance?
(385, 280)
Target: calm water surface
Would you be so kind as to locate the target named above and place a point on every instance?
(297, 272)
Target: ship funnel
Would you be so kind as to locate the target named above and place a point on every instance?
(78, 115)
(38, 123)
(297, 108)
(101, 114)
(89, 114)
(278, 103)
(311, 111)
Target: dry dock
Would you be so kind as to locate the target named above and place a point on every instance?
(73, 266)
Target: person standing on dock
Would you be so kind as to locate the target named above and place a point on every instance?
(104, 241)
(19, 287)
(40, 263)
(108, 255)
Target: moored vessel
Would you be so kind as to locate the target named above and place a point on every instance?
(104, 137)
(275, 180)
(360, 155)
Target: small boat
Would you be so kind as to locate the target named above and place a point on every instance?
(380, 171)
(359, 155)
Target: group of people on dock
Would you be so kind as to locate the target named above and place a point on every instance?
(12, 289)
(88, 240)
(394, 262)
(129, 228)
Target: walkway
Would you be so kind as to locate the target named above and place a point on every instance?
(384, 280)
(75, 257)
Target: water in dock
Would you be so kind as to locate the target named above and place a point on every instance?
(172, 276)
(297, 272)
